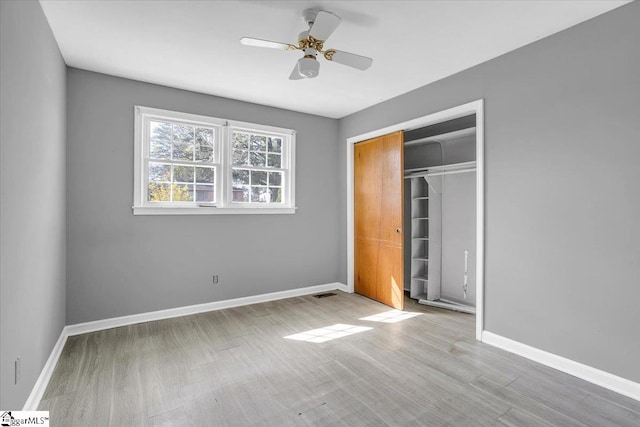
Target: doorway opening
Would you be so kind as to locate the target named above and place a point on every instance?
(474, 112)
(439, 214)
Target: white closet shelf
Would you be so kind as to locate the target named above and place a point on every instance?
(447, 136)
(421, 198)
(420, 258)
(420, 238)
(422, 278)
(421, 218)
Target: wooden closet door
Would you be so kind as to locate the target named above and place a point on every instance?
(378, 219)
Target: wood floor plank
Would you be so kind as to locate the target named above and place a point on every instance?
(516, 417)
(351, 412)
(523, 402)
(611, 397)
(557, 396)
(617, 414)
(238, 367)
(170, 418)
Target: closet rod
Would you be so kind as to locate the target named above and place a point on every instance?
(449, 172)
(450, 166)
(442, 170)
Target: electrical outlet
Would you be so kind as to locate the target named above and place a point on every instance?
(17, 371)
(215, 279)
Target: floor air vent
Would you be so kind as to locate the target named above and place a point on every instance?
(327, 294)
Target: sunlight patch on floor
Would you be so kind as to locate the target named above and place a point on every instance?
(391, 316)
(328, 333)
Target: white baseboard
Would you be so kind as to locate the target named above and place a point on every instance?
(596, 376)
(82, 328)
(45, 375)
(99, 325)
(342, 287)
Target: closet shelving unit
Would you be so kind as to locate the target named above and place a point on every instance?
(426, 233)
(419, 238)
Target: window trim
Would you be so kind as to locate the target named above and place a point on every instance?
(223, 164)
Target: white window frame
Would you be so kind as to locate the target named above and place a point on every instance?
(222, 162)
(288, 154)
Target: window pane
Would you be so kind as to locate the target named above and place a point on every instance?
(183, 134)
(258, 159)
(183, 152)
(182, 192)
(183, 142)
(160, 141)
(258, 178)
(258, 143)
(276, 194)
(240, 193)
(159, 192)
(240, 141)
(260, 194)
(204, 145)
(275, 178)
(275, 145)
(240, 157)
(205, 193)
(183, 173)
(275, 160)
(240, 177)
(159, 172)
(205, 175)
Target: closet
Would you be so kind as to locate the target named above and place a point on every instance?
(440, 214)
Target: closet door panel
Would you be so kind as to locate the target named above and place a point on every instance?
(366, 261)
(392, 189)
(390, 268)
(378, 219)
(367, 200)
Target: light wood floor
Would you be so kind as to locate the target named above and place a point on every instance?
(233, 367)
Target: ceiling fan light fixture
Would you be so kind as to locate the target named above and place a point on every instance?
(308, 67)
(321, 25)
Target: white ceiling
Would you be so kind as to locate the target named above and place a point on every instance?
(194, 45)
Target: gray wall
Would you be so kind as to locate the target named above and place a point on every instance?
(562, 201)
(120, 264)
(32, 190)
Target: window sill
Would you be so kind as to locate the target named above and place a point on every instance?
(208, 210)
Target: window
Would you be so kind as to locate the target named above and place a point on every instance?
(189, 164)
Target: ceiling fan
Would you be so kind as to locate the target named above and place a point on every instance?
(321, 25)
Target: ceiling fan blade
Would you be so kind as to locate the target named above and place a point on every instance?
(249, 41)
(295, 75)
(324, 25)
(349, 59)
